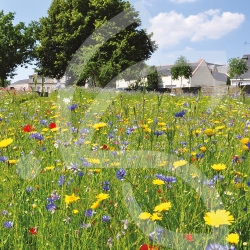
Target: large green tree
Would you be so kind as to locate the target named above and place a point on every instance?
(17, 44)
(237, 67)
(181, 69)
(108, 52)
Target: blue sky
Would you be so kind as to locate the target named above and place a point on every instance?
(209, 29)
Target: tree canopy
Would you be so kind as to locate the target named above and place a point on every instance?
(107, 53)
(237, 67)
(181, 69)
(17, 44)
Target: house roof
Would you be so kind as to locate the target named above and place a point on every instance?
(218, 70)
(247, 74)
(24, 81)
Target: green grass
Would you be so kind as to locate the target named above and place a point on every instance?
(143, 136)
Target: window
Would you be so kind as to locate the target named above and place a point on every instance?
(38, 88)
(48, 89)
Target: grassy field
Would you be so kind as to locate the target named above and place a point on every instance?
(99, 169)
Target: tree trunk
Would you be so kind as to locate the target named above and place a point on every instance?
(2, 81)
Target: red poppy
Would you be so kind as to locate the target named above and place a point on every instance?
(105, 147)
(28, 128)
(159, 191)
(189, 237)
(147, 247)
(52, 125)
(33, 230)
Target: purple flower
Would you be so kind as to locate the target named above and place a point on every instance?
(51, 207)
(8, 224)
(80, 173)
(61, 180)
(216, 246)
(83, 225)
(105, 218)
(89, 213)
(43, 122)
(72, 107)
(180, 114)
(37, 136)
(29, 189)
(4, 212)
(157, 133)
(120, 174)
(106, 186)
(3, 158)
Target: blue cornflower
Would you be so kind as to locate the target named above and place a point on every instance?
(53, 197)
(83, 225)
(29, 189)
(110, 136)
(159, 232)
(4, 212)
(89, 213)
(120, 174)
(8, 224)
(51, 207)
(216, 246)
(80, 173)
(72, 107)
(84, 131)
(105, 218)
(157, 133)
(37, 136)
(43, 122)
(61, 180)
(201, 155)
(3, 158)
(180, 114)
(248, 183)
(106, 186)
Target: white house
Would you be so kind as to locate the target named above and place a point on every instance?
(49, 84)
(204, 74)
(245, 78)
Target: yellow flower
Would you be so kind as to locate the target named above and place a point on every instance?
(144, 216)
(158, 182)
(233, 238)
(12, 161)
(220, 217)
(50, 168)
(71, 198)
(163, 207)
(203, 149)
(95, 205)
(93, 161)
(218, 167)
(55, 129)
(34, 206)
(97, 126)
(102, 196)
(209, 132)
(156, 216)
(5, 143)
(179, 163)
(244, 140)
(75, 211)
(162, 164)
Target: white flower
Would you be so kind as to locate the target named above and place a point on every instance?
(66, 100)
(56, 145)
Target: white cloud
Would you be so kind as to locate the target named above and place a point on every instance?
(183, 1)
(171, 28)
(188, 48)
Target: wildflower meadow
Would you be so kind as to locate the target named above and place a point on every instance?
(103, 169)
